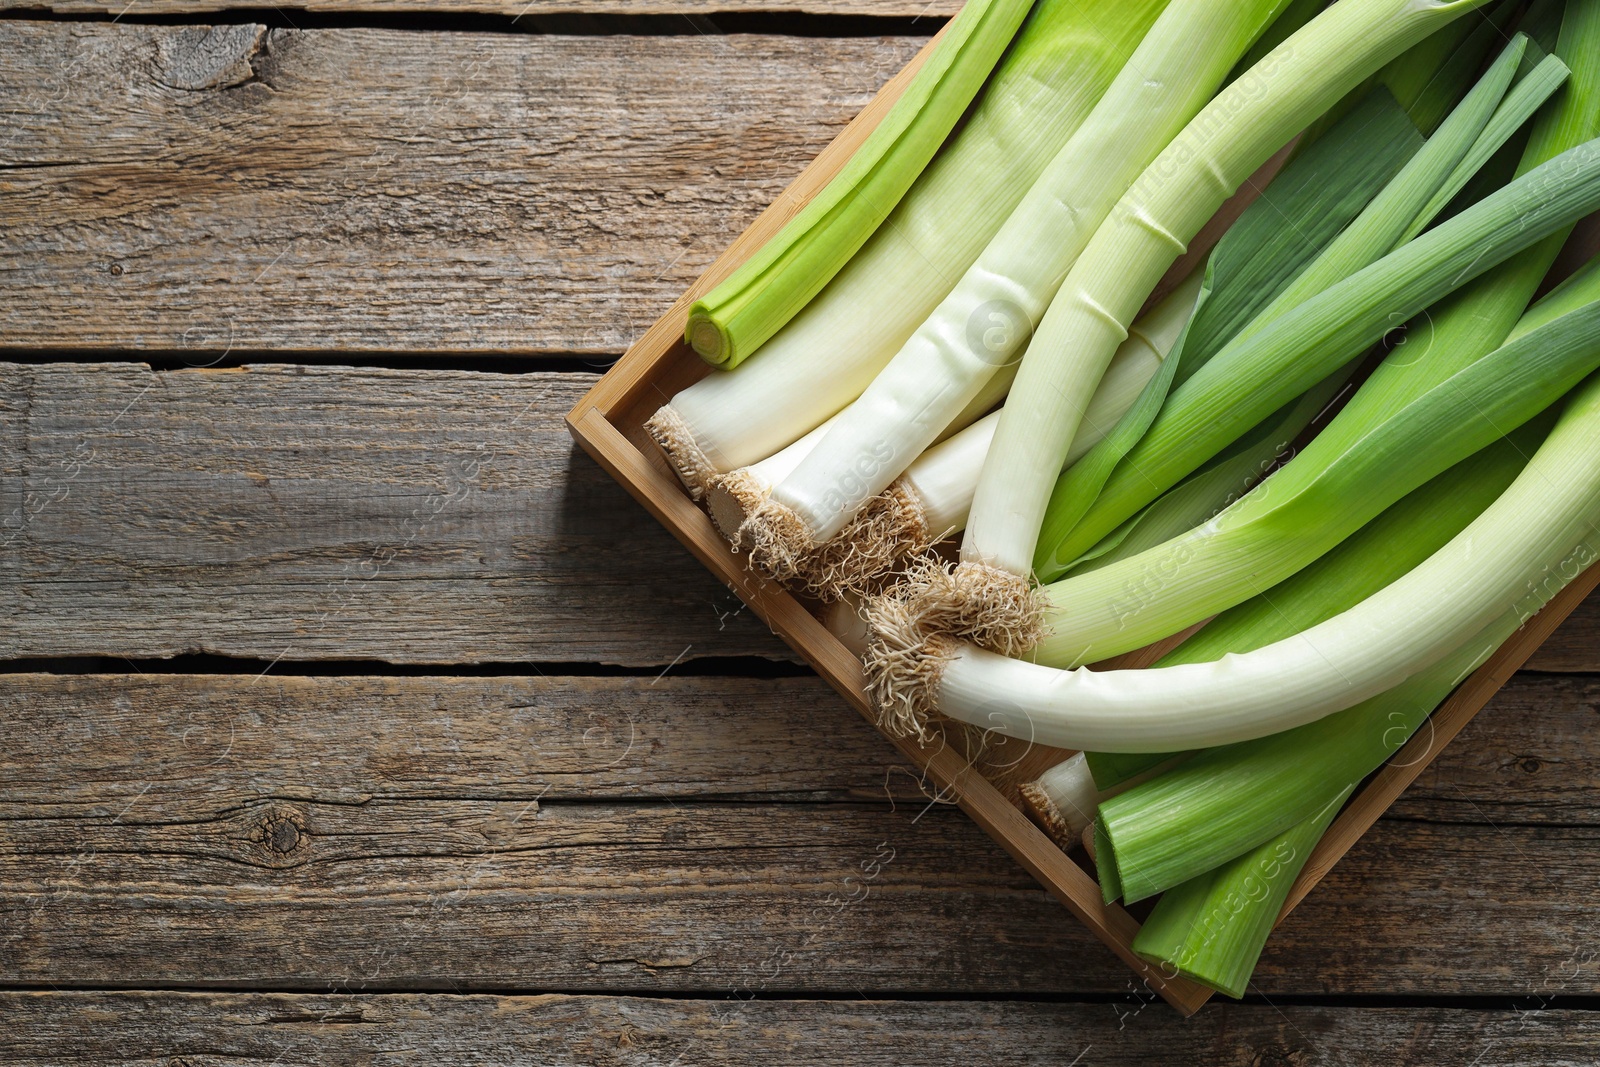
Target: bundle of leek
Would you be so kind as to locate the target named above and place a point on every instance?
(1137, 466)
(1056, 69)
(985, 320)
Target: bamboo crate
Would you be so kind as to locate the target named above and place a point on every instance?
(609, 423)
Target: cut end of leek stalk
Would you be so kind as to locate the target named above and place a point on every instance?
(1063, 801)
(1049, 816)
(731, 498)
(857, 561)
(709, 340)
(676, 440)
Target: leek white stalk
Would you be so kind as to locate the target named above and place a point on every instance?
(1064, 798)
(929, 501)
(1060, 64)
(1149, 228)
(985, 321)
(729, 323)
(1542, 530)
(943, 479)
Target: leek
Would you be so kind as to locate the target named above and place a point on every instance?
(1387, 547)
(1498, 297)
(1211, 929)
(1262, 259)
(1187, 931)
(733, 496)
(1210, 490)
(1405, 628)
(1255, 375)
(1220, 803)
(1340, 480)
(1385, 550)
(930, 500)
(729, 323)
(1060, 64)
(1310, 199)
(1063, 799)
(1149, 228)
(1085, 505)
(984, 322)
(1470, 324)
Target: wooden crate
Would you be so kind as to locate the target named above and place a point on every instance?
(609, 423)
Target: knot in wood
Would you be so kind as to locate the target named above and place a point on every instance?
(280, 832)
(1276, 1056)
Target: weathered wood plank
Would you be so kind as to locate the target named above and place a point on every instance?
(207, 189)
(704, 15)
(80, 745)
(64, 1029)
(191, 746)
(1576, 645)
(743, 899)
(1529, 757)
(310, 513)
(306, 513)
(233, 842)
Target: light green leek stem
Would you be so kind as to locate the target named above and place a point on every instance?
(1149, 228)
(1085, 504)
(1384, 550)
(1212, 928)
(1340, 480)
(1222, 802)
(1530, 92)
(1105, 865)
(1381, 551)
(1310, 485)
(1247, 380)
(985, 320)
(1060, 64)
(1215, 486)
(1426, 79)
(733, 320)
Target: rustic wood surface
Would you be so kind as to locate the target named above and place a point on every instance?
(308, 512)
(228, 1029)
(290, 831)
(467, 759)
(235, 188)
(289, 513)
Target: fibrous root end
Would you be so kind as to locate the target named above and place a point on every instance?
(676, 440)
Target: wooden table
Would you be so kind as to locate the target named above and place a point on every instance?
(353, 716)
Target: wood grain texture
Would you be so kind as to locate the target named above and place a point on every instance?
(303, 513)
(230, 188)
(82, 743)
(1576, 645)
(533, 833)
(234, 1030)
(768, 898)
